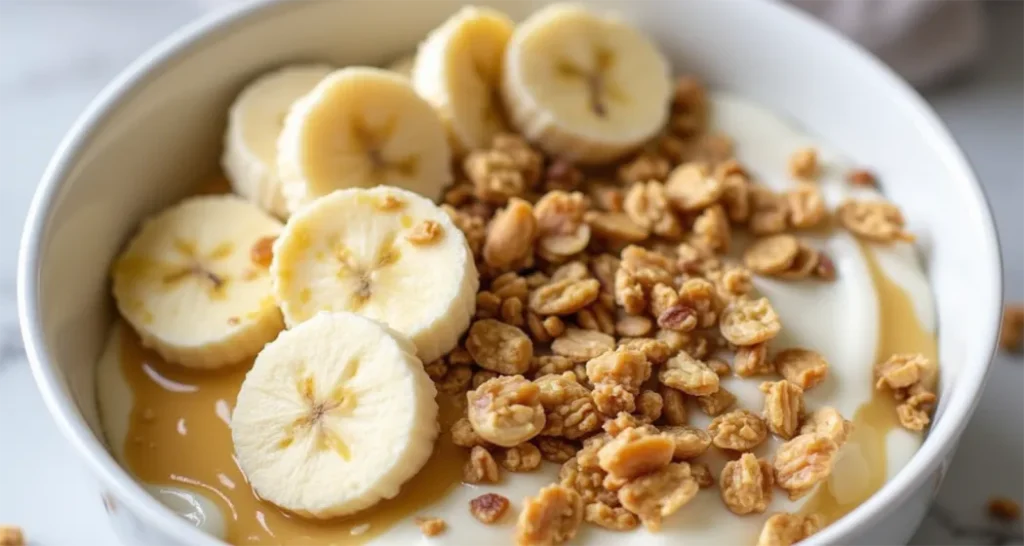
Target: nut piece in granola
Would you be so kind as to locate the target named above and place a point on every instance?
(738, 430)
(687, 374)
(752, 360)
(802, 367)
(425, 233)
(481, 467)
(552, 517)
(771, 255)
(506, 411)
(499, 347)
(615, 519)
(691, 442)
(804, 265)
(803, 164)
(615, 227)
(581, 345)
(489, 507)
(1011, 336)
(748, 322)
(430, 527)
(827, 421)
(659, 494)
(634, 452)
(564, 297)
(691, 187)
(746, 485)
(786, 529)
(717, 402)
(509, 242)
(878, 221)
(804, 462)
(783, 407)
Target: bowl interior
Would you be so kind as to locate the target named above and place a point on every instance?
(146, 143)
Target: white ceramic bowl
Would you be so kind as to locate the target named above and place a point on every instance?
(157, 129)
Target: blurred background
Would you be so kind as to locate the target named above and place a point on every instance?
(966, 58)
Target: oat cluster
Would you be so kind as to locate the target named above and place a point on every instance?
(910, 378)
(609, 310)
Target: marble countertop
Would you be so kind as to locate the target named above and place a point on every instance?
(56, 55)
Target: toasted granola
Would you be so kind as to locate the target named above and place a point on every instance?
(633, 453)
(771, 255)
(506, 411)
(806, 206)
(690, 442)
(786, 529)
(622, 367)
(749, 322)
(711, 229)
(425, 233)
(561, 231)
(430, 527)
(738, 430)
(1011, 335)
(827, 421)
(562, 175)
(556, 450)
(689, 375)
(691, 187)
(488, 508)
(769, 211)
(552, 517)
(649, 406)
(510, 236)
(521, 458)
(615, 227)
(802, 367)
(673, 409)
(746, 485)
(803, 164)
(716, 403)
(615, 519)
(647, 206)
(564, 297)
(783, 407)
(571, 411)
(878, 221)
(481, 467)
(508, 169)
(499, 347)
(804, 265)
(752, 360)
(455, 381)
(463, 435)
(633, 326)
(702, 473)
(659, 494)
(581, 345)
(804, 462)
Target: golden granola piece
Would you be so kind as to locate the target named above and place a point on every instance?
(463, 434)
(649, 405)
(696, 260)
(459, 356)
(603, 268)
(689, 107)
(510, 285)
(436, 369)
(806, 206)
(914, 413)
(571, 412)
(561, 231)
(488, 304)
(510, 236)
(691, 442)
(752, 360)
(564, 297)
(746, 485)
(455, 381)
(521, 458)
(474, 228)
(552, 517)
(685, 373)
(633, 326)
(700, 295)
(551, 364)
(717, 402)
(633, 453)
(615, 519)
(659, 494)
(507, 169)
(749, 322)
(900, 371)
(647, 206)
(613, 398)
(556, 450)
(488, 508)
(785, 529)
(735, 197)
(1004, 509)
(430, 527)
(656, 351)
(480, 468)
(662, 297)
(802, 367)
(645, 167)
(769, 211)
(499, 347)
(482, 376)
(574, 270)
(587, 481)
(512, 312)
(827, 421)
(623, 367)
(425, 233)
(1011, 336)
(878, 221)
(862, 177)
(621, 422)
(783, 407)
(581, 345)
(804, 265)
(702, 473)
(738, 430)
(506, 411)
(804, 462)
(691, 187)
(803, 164)
(719, 366)
(562, 175)
(615, 227)
(673, 406)
(711, 230)
(771, 255)
(596, 317)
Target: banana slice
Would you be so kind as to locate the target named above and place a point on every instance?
(254, 123)
(458, 70)
(190, 287)
(334, 416)
(385, 253)
(584, 86)
(403, 65)
(358, 128)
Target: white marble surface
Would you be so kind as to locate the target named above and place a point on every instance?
(55, 56)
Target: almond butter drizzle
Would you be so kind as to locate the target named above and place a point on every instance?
(179, 436)
(899, 331)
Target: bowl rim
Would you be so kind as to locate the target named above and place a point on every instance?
(931, 456)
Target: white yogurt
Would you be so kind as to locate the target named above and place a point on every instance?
(839, 319)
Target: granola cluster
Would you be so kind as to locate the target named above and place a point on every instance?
(609, 310)
(910, 378)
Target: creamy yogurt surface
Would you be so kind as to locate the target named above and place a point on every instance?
(841, 320)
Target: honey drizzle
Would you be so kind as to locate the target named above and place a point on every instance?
(179, 436)
(899, 331)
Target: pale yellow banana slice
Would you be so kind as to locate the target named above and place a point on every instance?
(583, 85)
(334, 416)
(189, 285)
(362, 127)
(458, 70)
(254, 123)
(385, 253)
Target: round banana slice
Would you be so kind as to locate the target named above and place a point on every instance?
(334, 416)
(584, 86)
(458, 70)
(362, 127)
(254, 123)
(192, 285)
(385, 253)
